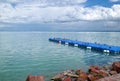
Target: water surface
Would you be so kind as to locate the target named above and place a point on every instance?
(24, 53)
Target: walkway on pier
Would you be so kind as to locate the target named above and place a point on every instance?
(92, 46)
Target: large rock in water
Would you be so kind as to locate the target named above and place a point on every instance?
(116, 67)
(35, 78)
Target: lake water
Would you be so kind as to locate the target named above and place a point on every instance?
(24, 53)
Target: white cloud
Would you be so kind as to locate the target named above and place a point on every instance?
(101, 13)
(114, 0)
(14, 1)
(50, 2)
(44, 12)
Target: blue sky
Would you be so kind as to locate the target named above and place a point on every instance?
(60, 15)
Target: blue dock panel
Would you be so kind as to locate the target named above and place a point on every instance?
(92, 46)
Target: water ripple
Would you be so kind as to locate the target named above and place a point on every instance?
(24, 53)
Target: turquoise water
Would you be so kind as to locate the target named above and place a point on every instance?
(24, 53)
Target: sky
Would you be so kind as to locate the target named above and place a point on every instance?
(60, 15)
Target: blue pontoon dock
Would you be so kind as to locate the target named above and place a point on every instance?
(93, 46)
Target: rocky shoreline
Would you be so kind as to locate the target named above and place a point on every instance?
(94, 73)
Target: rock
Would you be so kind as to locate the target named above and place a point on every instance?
(58, 77)
(79, 71)
(111, 78)
(97, 75)
(67, 79)
(106, 68)
(116, 67)
(73, 75)
(94, 73)
(92, 77)
(102, 74)
(113, 72)
(64, 76)
(82, 77)
(68, 72)
(74, 79)
(35, 78)
(94, 69)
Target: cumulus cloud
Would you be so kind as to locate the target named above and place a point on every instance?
(114, 0)
(50, 11)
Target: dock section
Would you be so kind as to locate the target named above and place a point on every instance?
(92, 46)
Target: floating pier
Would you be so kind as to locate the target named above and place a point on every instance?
(92, 46)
